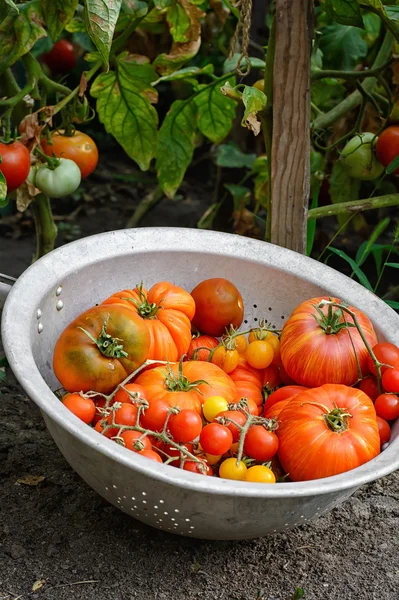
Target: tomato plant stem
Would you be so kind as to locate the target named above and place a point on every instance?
(266, 118)
(354, 206)
(348, 75)
(46, 229)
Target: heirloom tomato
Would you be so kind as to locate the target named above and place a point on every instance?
(218, 304)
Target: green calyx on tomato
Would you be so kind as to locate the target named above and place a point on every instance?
(359, 157)
(331, 323)
(109, 346)
(181, 383)
(145, 309)
(57, 178)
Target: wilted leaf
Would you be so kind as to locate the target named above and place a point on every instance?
(178, 21)
(19, 32)
(343, 46)
(31, 127)
(229, 155)
(25, 195)
(244, 223)
(58, 13)
(187, 72)
(100, 18)
(346, 12)
(254, 101)
(220, 9)
(38, 584)
(31, 480)
(216, 112)
(230, 64)
(123, 105)
(176, 145)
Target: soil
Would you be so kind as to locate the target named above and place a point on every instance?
(60, 536)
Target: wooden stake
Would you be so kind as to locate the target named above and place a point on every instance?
(291, 124)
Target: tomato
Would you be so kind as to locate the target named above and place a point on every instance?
(154, 416)
(175, 453)
(187, 385)
(260, 474)
(233, 420)
(315, 349)
(248, 382)
(201, 467)
(134, 440)
(275, 344)
(83, 408)
(14, 164)
(225, 359)
(369, 386)
(273, 412)
(151, 454)
(89, 360)
(271, 377)
(283, 393)
(384, 430)
(387, 406)
(98, 415)
(229, 469)
(260, 443)
(125, 415)
(390, 380)
(131, 393)
(186, 426)
(251, 407)
(58, 182)
(285, 378)
(359, 158)
(259, 333)
(317, 424)
(240, 343)
(387, 147)
(216, 438)
(61, 59)
(213, 459)
(78, 147)
(259, 354)
(202, 341)
(386, 353)
(218, 304)
(167, 311)
(213, 406)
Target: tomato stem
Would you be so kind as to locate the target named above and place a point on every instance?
(107, 344)
(336, 418)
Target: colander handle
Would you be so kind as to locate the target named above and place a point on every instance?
(6, 283)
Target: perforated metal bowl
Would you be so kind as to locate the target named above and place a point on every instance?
(272, 280)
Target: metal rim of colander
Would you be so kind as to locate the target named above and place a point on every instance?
(62, 262)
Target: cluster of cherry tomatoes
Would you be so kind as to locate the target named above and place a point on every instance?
(170, 375)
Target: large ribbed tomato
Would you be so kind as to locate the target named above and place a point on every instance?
(167, 310)
(318, 348)
(248, 382)
(326, 431)
(100, 348)
(198, 349)
(187, 384)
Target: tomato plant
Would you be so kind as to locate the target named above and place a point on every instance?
(61, 58)
(218, 305)
(388, 146)
(14, 164)
(359, 157)
(59, 181)
(78, 147)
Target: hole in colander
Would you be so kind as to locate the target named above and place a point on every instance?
(255, 319)
(283, 317)
(270, 308)
(246, 321)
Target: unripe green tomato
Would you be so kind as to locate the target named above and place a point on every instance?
(359, 157)
(58, 182)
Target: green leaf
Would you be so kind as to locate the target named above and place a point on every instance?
(207, 219)
(343, 46)
(229, 155)
(123, 105)
(393, 165)
(316, 61)
(375, 234)
(393, 265)
(19, 32)
(136, 8)
(230, 64)
(178, 21)
(216, 112)
(299, 593)
(76, 26)
(356, 269)
(176, 145)
(187, 72)
(100, 18)
(6, 6)
(58, 13)
(3, 190)
(393, 304)
(254, 101)
(372, 25)
(162, 4)
(240, 194)
(346, 12)
(342, 188)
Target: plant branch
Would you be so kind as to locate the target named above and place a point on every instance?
(348, 75)
(35, 71)
(354, 206)
(46, 229)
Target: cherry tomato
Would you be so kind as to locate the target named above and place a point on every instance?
(201, 467)
(259, 334)
(59, 182)
(61, 59)
(151, 454)
(83, 408)
(384, 430)
(259, 354)
(387, 147)
(359, 158)
(154, 416)
(135, 441)
(275, 344)
(369, 386)
(185, 426)
(260, 474)
(130, 393)
(15, 164)
(386, 353)
(387, 406)
(241, 343)
(390, 380)
(213, 459)
(172, 452)
(260, 443)
(225, 359)
(98, 415)
(229, 469)
(216, 438)
(78, 147)
(218, 304)
(125, 415)
(232, 418)
(213, 406)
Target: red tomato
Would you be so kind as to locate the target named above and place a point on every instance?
(202, 341)
(151, 454)
(15, 164)
(185, 426)
(369, 386)
(229, 418)
(271, 377)
(285, 378)
(78, 147)
(386, 353)
(201, 467)
(216, 439)
(135, 441)
(384, 430)
(315, 349)
(173, 452)
(154, 416)
(218, 304)
(61, 59)
(260, 443)
(316, 424)
(387, 147)
(125, 415)
(131, 393)
(83, 408)
(282, 394)
(387, 406)
(273, 412)
(390, 380)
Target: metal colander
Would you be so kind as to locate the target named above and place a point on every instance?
(272, 281)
